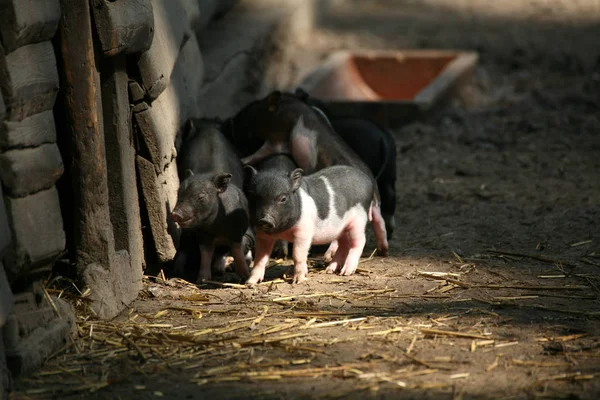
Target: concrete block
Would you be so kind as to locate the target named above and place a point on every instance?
(27, 171)
(30, 132)
(24, 22)
(37, 230)
(29, 80)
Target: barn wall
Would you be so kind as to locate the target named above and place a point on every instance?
(94, 94)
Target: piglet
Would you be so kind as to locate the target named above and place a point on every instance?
(218, 212)
(332, 204)
(211, 206)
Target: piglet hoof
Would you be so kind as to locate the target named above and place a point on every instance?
(331, 268)
(383, 252)
(299, 278)
(253, 281)
(300, 273)
(204, 276)
(348, 270)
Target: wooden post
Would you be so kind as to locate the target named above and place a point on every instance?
(80, 80)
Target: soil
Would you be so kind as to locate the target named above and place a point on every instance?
(491, 289)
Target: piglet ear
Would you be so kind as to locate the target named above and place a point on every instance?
(301, 94)
(249, 173)
(296, 177)
(188, 129)
(273, 100)
(221, 181)
(188, 173)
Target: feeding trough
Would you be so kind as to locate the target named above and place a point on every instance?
(391, 87)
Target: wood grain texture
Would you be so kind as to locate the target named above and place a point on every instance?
(24, 22)
(29, 80)
(30, 132)
(124, 26)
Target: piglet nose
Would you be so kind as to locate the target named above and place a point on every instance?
(176, 216)
(266, 222)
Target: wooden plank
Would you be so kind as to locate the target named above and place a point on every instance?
(5, 235)
(29, 80)
(2, 105)
(24, 22)
(124, 27)
(160, 123)
(158, 213)
(120, 159)
(136, 93)
(37, 231)
(93, 233)
(30, 132)
(171, 28)
(6, 297)
(27, 171)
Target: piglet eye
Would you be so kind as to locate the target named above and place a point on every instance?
(201, 196)
(282, 199)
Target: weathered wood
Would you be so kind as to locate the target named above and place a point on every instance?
(6, 298)
(92, 230)
(124, 26)
(2, 105)
(29, 80)
(158, 207)
(136, 93)
(120, 158)
(5, 235)
(230, 48)
(201, 12)
(27, 171)
(32, 131)
(37, 231)
(171, 27)
(24, 22)
(161, 122)
(34, 347)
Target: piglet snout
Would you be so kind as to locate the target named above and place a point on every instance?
(266, 222)
(177, 216)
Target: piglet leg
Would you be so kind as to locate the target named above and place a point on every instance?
(357, 241)
(218, 265)
(340, 254)
(265, 151)
(378, 226)
(300, 256)
(264, 247)
(239, 260)
(333, 247)
(206, 255)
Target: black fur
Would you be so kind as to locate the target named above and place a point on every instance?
(210, 200)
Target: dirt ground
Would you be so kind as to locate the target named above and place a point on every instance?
(492, 287)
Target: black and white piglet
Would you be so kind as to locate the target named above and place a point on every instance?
(285, 164)
(334, 203)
